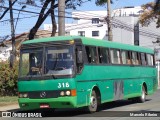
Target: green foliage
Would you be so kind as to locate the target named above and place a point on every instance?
(8, 79)
(151, 13)
(102, 2)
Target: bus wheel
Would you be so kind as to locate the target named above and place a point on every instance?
(93, 103)
(142, 98)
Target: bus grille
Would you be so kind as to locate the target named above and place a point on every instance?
(43, 94)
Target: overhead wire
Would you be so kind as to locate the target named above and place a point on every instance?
(117, 23)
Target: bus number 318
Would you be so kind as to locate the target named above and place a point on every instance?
(63, 85)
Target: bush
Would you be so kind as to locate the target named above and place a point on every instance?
(8, 79)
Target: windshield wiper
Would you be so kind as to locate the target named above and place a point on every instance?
(53, 76)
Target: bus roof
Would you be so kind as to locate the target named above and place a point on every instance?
(92, 41)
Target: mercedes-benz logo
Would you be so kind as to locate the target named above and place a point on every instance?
(43, 94)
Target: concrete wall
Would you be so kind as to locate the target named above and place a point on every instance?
(5, 52)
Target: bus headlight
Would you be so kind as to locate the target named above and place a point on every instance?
(23, 95)
(20, 95)
(62, 93)
(68, 93)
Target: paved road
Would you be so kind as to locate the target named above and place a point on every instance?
(113, 110)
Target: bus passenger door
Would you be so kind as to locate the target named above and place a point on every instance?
(118, 89)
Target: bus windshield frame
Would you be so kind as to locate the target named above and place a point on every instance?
(47, 62)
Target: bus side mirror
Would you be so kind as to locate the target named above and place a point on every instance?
(79, 57)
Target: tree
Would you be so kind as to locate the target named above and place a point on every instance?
(45, 12)
(102, 2)
(43, 15)
(108, 18)
(151, 12)
(6, 10)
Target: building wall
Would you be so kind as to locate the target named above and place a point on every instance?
(128, 16)
(149, 39)
(5, 52)
(121, 34)
(127, 11)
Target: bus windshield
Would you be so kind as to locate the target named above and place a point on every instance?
(59, 61)
(54, 61)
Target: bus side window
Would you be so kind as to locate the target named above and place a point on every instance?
(150, 59)
(129, 58)
(143, 59)
(135, 60)
(153, 59)
(103, 55)
(124, 57)
(115, 56)
(88, 54)
(138, 59)
(92, 54)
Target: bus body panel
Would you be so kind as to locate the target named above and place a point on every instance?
(61, 102)
(35, 87)
(114, 81)
(43, 85)
(104, 78)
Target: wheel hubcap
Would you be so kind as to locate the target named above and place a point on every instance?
(93, 102)
(143, 95)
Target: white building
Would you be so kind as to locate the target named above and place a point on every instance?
(5, 52)
(6, 46)
(124, 23)
(125, 28)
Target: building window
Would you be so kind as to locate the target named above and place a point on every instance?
(95, 20)
(81, 33)
(67, 33)
(95, 33)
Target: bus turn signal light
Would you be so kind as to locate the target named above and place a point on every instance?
(73, 92)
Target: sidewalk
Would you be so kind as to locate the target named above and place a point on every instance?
(9, 107)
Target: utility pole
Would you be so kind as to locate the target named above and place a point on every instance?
(61, 17)
(109, 21)
(136, 34)
(13, 52)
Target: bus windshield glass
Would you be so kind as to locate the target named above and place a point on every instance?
(54, 61)
(59, 61)
(31, 62)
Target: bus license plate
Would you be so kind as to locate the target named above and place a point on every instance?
(44, 106)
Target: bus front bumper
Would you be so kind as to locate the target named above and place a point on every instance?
(60, 102)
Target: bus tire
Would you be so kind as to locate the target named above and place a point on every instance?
(93, 103)
(142, 98)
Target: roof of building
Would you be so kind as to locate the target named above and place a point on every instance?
(39, 34)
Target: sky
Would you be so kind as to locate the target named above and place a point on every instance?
(29, 20)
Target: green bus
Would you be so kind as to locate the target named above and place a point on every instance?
(74, 71)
